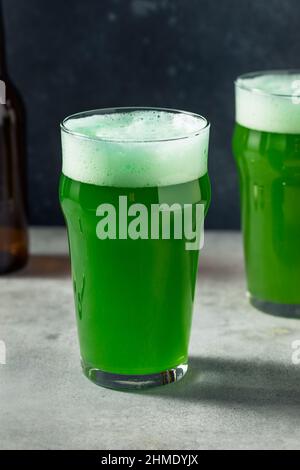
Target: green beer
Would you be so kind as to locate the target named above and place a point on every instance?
(133, 295)
(266, 146)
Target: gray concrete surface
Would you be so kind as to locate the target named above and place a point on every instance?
(242, 390)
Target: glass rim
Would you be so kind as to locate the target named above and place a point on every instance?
(260, 73)
(115, 110)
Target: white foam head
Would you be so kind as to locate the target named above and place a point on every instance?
(135, 147)
(269, 101)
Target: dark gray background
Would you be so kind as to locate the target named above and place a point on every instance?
(72, 55)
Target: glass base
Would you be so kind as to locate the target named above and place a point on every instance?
(272, 308)
(133, 382)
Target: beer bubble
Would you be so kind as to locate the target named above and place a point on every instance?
(269, 101)
(135, 148)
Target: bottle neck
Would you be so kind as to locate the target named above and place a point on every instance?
(3, 71)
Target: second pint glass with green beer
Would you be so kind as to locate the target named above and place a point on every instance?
(267, 150)
(134, 190)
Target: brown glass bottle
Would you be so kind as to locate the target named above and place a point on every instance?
(13, 224)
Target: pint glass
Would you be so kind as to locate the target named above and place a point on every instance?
(266, 146)
(129, 178)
